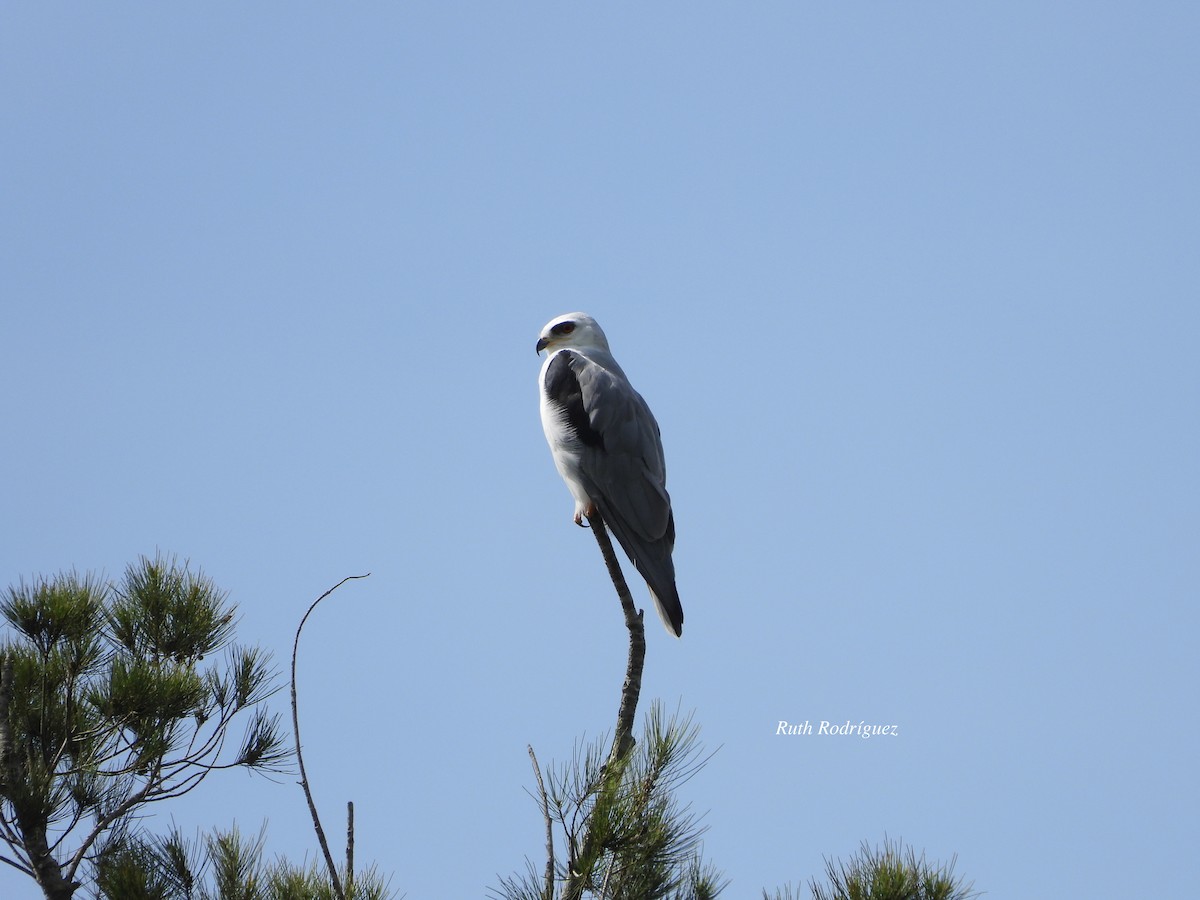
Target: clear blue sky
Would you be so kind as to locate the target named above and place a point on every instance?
(911, 287)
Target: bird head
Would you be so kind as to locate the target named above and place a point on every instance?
(573, 331)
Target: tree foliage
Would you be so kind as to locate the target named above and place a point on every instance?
(890, 872)
(623, 834)
(113, 697)
(223, 865)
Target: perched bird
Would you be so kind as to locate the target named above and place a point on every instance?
(607, 448)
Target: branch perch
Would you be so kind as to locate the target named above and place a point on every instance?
(632, 688)
(630, 691)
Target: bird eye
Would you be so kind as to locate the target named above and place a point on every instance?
(563, 328)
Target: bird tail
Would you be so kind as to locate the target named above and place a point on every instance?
(670, 610)
(653, 561)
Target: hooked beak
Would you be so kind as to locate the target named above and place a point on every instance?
(541, 344)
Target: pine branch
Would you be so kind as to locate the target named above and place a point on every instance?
(35, 844)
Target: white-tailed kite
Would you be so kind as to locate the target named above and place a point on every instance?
(607, 448)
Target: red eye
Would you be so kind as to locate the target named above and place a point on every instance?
(563, 328)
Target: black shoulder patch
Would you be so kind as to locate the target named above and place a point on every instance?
(562, 386)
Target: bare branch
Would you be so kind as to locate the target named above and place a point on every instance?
(312, 807)
(19, 866)
(102, 823)
(632, 687)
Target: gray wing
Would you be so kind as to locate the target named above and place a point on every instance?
(622, 461)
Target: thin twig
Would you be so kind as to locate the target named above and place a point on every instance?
(312, 807)
(20, 867)
(537, 772)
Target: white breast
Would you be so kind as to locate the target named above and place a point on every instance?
(565, 447)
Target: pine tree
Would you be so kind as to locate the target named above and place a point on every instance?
(114, 697)
(890, 872)
(622, 832)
